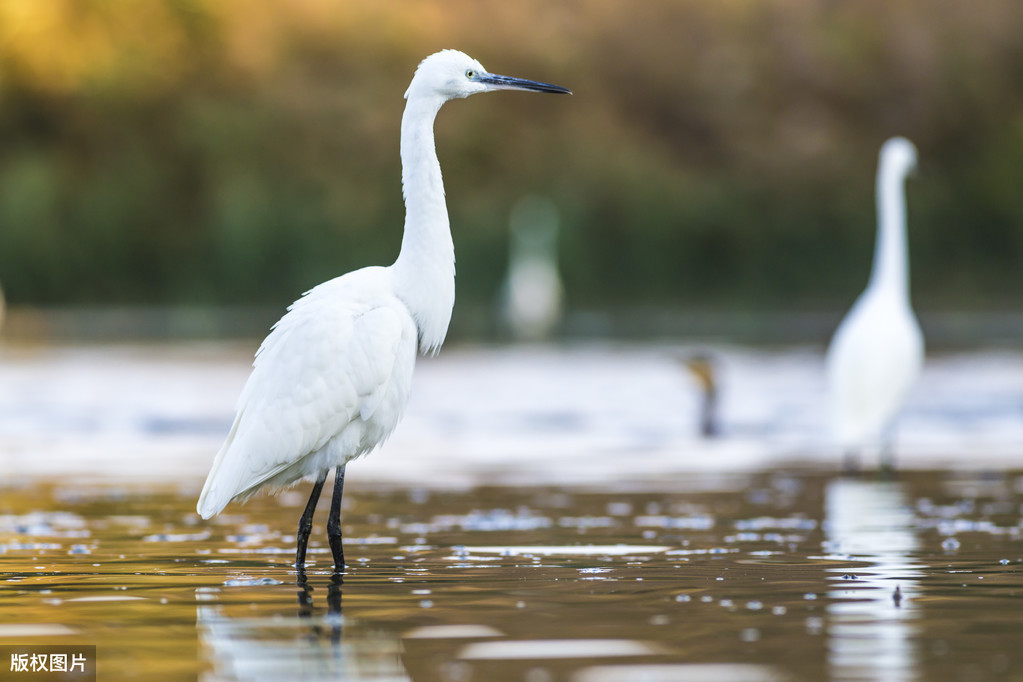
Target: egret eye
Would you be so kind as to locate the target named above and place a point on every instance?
(470, 74)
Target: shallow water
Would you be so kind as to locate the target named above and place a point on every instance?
(564, 415)
(541, 514)
(797, 574)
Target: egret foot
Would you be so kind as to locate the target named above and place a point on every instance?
(334, 521)
(305, 524)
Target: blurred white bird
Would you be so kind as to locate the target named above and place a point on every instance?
(332, 379)
(878, 349)
(531, 298)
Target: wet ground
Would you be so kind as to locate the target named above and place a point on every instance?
(571, 526)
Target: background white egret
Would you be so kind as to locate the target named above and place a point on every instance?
(878, 349)
(332, 379)
(532, 293)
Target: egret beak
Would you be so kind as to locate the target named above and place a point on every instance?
(496, 82)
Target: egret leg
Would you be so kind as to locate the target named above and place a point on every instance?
(887, 466)
(334, 520)
(305, 524)
(851, 462)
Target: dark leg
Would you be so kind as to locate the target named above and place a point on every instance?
(887, 466)
(851, 462)
(305, 525)
(334, 521)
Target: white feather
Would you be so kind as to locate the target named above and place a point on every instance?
(874, 359)
(328, 384)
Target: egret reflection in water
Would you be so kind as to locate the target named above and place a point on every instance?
(872, 613)
(308, 644)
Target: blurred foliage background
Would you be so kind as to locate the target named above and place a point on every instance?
(715, 154)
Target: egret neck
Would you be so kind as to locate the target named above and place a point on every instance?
(425, 269)
(891, 260)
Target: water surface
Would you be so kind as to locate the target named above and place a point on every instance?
(797, 574)
(541, 514)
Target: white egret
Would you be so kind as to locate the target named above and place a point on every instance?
(532, 292)
(878, 349)
(331, 380)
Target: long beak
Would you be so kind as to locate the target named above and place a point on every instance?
(508, 83)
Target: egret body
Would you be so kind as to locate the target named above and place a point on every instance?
(877, 351)
(331, 380)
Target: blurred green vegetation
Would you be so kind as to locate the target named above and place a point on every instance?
(720, 154)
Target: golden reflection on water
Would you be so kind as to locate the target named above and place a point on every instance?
(780, 575)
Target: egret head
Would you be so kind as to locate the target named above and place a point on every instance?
(449, 74)
(899, 154)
